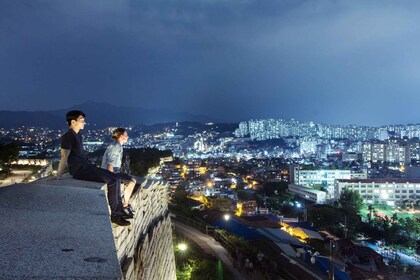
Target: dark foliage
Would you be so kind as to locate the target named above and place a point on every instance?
(143, 159)
(8, 153)
(274, 188)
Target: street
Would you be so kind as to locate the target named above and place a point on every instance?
(16, 177)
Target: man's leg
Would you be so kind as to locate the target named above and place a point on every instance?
(95, 174)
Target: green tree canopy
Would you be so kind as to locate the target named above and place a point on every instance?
(350, 202)
(8, 153)
(325, 216)
(220, 203)
(274, 188)
(244, 195)
(143, 159)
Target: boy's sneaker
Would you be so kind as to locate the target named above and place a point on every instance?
(119, 220)
(128, 212)
(131, 209)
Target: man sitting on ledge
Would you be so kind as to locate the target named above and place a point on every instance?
(80, 168)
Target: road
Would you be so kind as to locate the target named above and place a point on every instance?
(17, 176)
(212, 247)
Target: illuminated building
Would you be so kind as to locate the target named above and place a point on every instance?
(392, 192)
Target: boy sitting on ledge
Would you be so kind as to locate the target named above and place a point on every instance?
(112, 161)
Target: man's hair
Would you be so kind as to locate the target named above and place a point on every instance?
(73, 116)
(117, 133)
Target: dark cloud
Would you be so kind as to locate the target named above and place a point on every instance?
(326, 61)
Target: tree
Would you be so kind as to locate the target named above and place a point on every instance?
(411, 230)
(180, 196)
(177, 161)
(143, 159)
(220, 203)
(274, 188)
(273, 202)
(325, 216)
(350, 202)
(244, 195)
(370, 214)
(8, 153)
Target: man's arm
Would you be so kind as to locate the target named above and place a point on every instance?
(63, 161)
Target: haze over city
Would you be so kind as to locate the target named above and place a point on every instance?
(335, 62)
(199, 139)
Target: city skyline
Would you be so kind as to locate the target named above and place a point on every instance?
(328, 62)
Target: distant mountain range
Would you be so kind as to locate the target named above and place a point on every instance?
(101, 114)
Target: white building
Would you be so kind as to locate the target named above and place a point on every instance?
(242, 131)
(324, 177)
(307, 193)
(392, 191)
(367, 151)
(378, 152)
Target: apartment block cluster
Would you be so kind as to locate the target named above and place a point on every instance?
(391, 150)
(397, 144)
(276, 128)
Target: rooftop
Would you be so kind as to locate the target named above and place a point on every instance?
(382, 180)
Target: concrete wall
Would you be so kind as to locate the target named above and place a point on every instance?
(145, 248)
(61, 229)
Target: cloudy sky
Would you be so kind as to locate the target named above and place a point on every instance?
(335, 62)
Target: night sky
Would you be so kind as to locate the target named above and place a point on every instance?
(334, 62)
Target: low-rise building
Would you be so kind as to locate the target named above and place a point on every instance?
(324, 177)
(308, 193)
(391, 191)
(246, 208)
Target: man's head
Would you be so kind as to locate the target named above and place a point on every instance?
(76, 119)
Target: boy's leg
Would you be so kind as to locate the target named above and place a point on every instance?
(131, 182)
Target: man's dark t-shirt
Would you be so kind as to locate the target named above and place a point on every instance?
(73, 141)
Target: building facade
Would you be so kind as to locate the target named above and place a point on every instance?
(392, 192)
(324, 177)
(317, 196)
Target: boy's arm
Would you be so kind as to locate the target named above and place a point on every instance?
(110, 167)
(110, 158)
(63, 161)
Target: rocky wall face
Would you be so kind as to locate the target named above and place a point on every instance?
(145, 248)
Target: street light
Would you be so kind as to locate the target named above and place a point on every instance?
(182, 247)
(226, 217)
(332, 246)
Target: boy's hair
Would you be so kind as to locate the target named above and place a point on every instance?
(73, 116)
(117, 133)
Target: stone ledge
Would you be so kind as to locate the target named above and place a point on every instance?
(56, 229)
(61, 229)
(68, 181)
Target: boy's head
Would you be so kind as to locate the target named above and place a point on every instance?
(120, 134)
(75, 116)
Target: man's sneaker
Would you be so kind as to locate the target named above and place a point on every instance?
(119, 220)
(126, 215)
